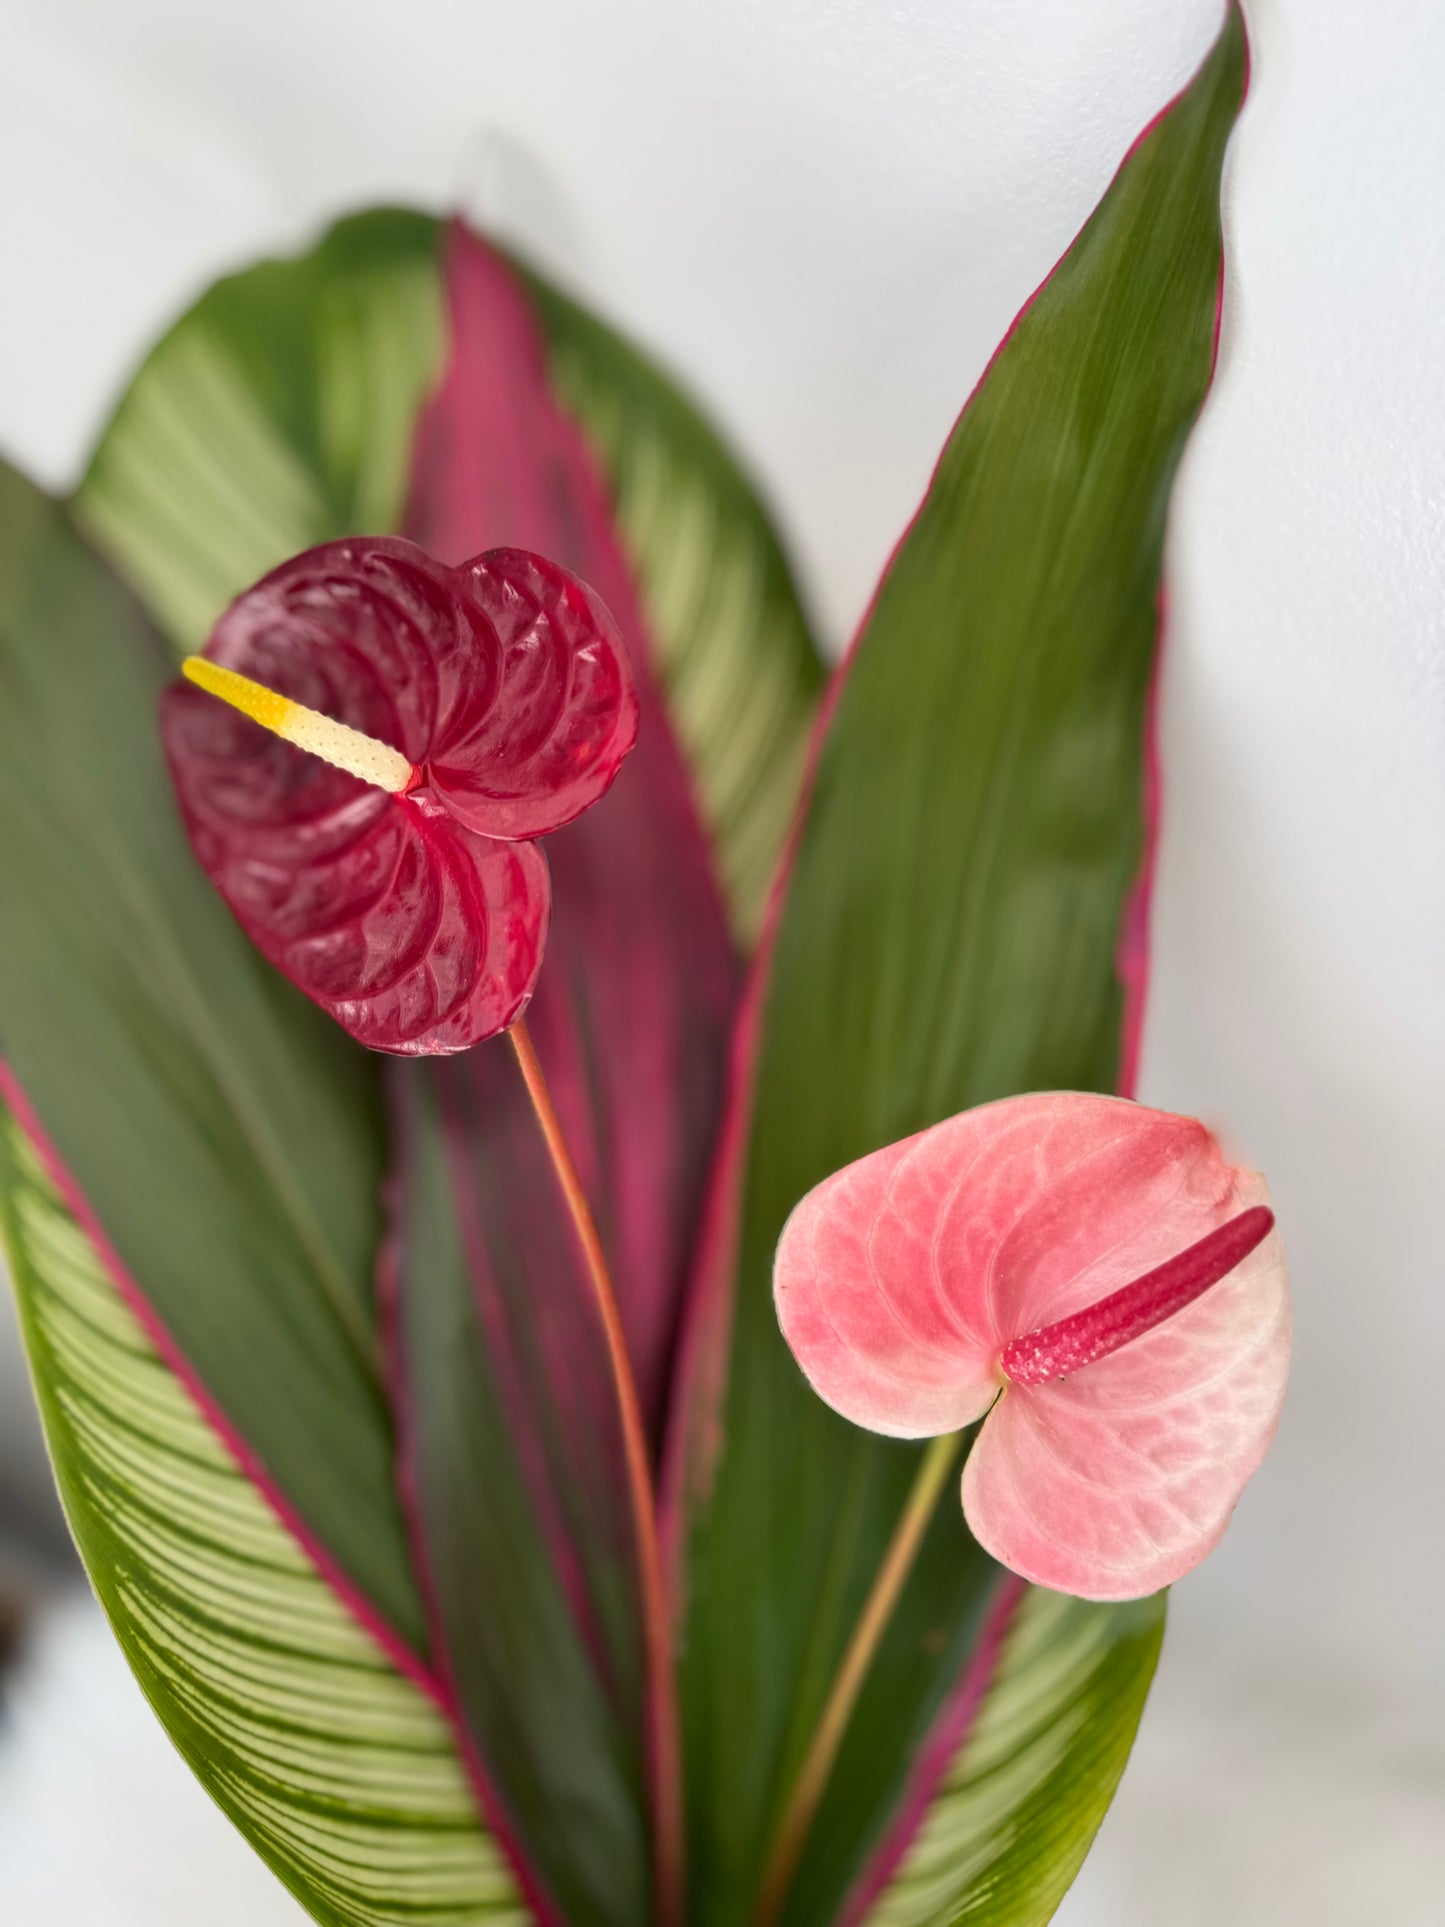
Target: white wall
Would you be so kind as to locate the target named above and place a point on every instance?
(825, 212)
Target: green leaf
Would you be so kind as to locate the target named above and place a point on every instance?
(277, 413)
(226, 1135)
(949, 936)
(732, 647)
(1026, 1791)
(339, 1769)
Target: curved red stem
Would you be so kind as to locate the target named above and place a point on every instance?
(664, 1745)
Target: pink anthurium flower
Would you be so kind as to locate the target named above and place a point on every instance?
(405, 730)
(1095, 1279)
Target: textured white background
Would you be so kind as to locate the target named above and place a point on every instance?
(824, 213)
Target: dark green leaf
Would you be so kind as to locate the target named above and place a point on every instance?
(949, 936)
(226, 1135)
(546, 1676)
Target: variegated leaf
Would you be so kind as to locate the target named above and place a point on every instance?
(341, 1769)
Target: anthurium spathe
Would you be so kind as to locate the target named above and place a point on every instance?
(404, 730)
(1094, 1281)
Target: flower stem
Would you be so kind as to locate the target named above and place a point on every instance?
(812, 1780)
(664, 1745)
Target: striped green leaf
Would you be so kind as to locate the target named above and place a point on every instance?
(1014, 1814)
(276, 414)
(341, 1771)
(224, 1446)
(734, 653)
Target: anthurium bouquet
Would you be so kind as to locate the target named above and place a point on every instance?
(521, 1096)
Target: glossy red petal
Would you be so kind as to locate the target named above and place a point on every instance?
(529, 753)
(414, 934)
(503, 680)
(900, 1280)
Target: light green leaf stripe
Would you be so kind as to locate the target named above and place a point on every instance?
(338, 1769)
(1010, 1825)
(740, 669)
(276, 414)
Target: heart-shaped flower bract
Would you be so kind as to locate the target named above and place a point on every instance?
(469, 709)
(1093, 1277)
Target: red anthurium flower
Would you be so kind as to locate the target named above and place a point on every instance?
(406, 728)
(1096, 1279)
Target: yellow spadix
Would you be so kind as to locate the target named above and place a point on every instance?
(308, 729)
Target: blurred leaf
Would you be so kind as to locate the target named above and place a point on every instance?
(949, 935)
(533, 1597)
(1023, 1796)
(341, 1771)
(731, 645)
(276, 414)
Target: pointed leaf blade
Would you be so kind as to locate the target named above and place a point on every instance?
(965, 867)
(207, 1350)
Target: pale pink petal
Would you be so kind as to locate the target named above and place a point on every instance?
(1116, 1481)
(900, 1280)
(1090, 1193)
(861, 1309)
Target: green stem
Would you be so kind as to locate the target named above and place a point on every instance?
(813, 1776)
(664, 1743)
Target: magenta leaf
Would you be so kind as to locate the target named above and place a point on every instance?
(631, 1015)
(1092, 1276)
(503, 682)
(506, 1408)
